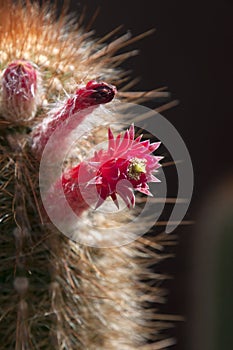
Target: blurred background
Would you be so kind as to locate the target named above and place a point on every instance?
(191, 54)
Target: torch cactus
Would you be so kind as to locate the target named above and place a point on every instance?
(56, 293)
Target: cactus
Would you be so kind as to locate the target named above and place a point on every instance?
(57, 293)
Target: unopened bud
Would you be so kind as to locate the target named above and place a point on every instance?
(19, 91)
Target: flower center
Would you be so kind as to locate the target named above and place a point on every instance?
(136, 168)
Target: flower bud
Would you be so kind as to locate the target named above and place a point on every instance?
(86, 99)
(19, 91)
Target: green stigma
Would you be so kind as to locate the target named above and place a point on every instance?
(136, 168)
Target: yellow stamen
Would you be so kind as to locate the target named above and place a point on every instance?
(136, 168)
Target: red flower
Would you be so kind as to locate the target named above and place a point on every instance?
(127, 165)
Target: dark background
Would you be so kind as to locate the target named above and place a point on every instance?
(191, 54)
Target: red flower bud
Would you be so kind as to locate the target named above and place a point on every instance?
(19, 93)
(85, 98)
